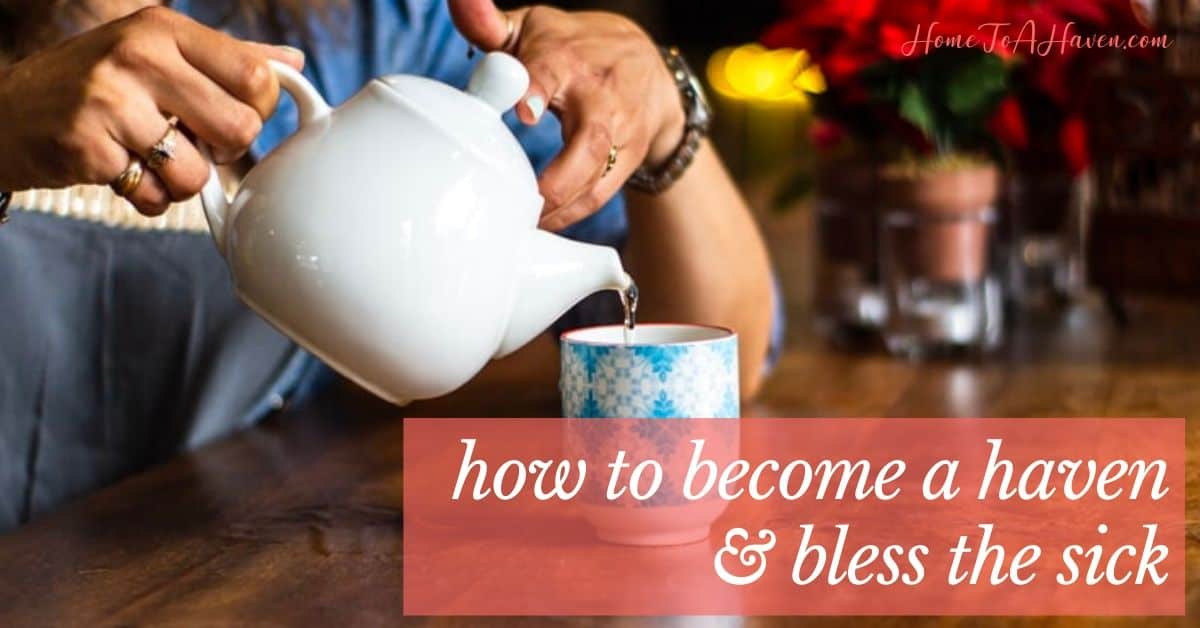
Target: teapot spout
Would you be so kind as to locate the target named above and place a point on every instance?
(557, 274)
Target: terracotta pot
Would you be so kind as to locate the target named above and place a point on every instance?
(943, 219)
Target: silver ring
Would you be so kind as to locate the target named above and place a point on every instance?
(162, 151)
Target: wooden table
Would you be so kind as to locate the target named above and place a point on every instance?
(298, 521)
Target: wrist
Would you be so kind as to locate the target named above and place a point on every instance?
(673, 125)
(685, 122)
(670, 135)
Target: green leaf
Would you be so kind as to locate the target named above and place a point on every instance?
(975, 85)
(916, 109)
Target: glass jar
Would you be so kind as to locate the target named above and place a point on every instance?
(1047, 222)
(848, 295)
(943, 294)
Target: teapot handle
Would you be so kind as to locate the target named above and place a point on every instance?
(312, 107)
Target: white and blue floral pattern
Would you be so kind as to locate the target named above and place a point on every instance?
(694, 380)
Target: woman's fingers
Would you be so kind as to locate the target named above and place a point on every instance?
(227, 124)
(578, 166)
(180, 177)
(241, 69)
(627, 161)
(185, 174)
(150, 196)
(288, 55)
(594, 71)
(546, 82)
(485, 25)
(590, 123)
(226, 97)
(91, 103)
(221, 88)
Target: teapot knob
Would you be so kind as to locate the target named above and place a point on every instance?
(499, 80)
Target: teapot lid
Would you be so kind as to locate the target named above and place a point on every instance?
(473, 119)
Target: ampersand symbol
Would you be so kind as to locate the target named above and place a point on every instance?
(751, 555)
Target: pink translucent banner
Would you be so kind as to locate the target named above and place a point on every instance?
(794, 516)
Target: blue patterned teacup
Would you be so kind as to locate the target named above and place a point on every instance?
(667, 371)
(653, 397)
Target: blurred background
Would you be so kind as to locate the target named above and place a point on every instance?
(925, 199)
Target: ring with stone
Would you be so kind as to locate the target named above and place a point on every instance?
(163, 150)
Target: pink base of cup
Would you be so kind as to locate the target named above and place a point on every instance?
(626, 537)
(654, 525)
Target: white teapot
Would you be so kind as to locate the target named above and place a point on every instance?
(396, 237)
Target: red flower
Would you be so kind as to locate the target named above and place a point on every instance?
(1072, 138)
(1008, 124)
(833, 14)
(904, 22)
(846, 37)
(839, 36)
(826, 134)
(1059, 72)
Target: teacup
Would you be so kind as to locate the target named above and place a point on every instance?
(650, 397)
(666, 371)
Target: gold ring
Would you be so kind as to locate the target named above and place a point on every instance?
(612, 160)
(163, 150)
(512, 29)
(129, 179)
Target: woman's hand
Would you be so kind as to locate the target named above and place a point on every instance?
(604, 78)
(81, 111)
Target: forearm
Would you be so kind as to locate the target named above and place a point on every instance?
(697, 256)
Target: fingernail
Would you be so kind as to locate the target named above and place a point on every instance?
(537, 107)
(292, 49)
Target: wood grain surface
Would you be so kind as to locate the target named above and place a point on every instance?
(298, 521)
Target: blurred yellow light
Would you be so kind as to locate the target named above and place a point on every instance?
(810, 80)
(742, 72)
(754, 73)
(717, 76)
